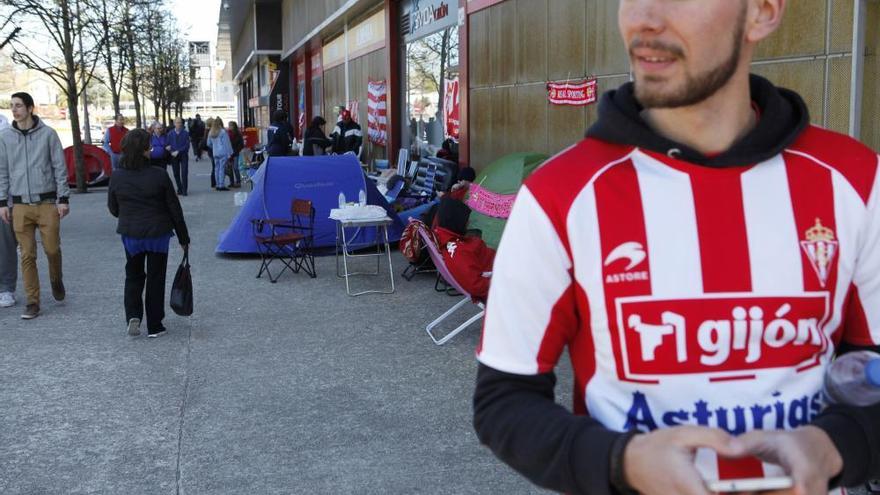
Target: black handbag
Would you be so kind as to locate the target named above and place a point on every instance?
(182, 289)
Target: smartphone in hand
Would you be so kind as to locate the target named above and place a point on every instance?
(750, 484)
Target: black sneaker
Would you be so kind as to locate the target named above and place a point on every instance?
(134, 327)
(151, 334)
(58, 291)
(31, 312)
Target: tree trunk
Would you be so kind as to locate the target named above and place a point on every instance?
(72, 93)
(132, 69)
(117, 110)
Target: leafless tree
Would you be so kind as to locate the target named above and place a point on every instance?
(59, 44)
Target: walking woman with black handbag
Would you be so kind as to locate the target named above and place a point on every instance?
(145, 202)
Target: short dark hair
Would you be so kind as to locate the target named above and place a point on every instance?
(135, 142)
(26, 98)
(318, 121)
(279, 116)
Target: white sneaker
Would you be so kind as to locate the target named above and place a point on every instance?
(7, 299)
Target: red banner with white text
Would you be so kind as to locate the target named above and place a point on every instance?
(572, 93)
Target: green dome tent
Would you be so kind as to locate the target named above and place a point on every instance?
(492, 193)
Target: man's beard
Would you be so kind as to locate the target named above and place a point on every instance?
(699, 87)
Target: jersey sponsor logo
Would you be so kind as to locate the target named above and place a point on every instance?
(820, 248)
(634, 252)
(775, 412)
(725, 336)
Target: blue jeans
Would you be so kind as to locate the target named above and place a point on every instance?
(220, 170)
(114, 160)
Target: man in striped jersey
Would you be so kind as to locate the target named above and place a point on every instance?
(702, 255)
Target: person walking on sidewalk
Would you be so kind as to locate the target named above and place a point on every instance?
(221, 148)
(112, 143)
(158, 143)
(237, 140)
(33, 173)
(142, 198)
(196, 134)
(178, 147)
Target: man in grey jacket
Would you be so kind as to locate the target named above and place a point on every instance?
(34, 175)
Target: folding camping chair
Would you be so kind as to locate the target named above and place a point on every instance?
(437, 258)
(289, 241)
(402, 161)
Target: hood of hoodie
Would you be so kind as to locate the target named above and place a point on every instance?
(38, 124)
(783, 117)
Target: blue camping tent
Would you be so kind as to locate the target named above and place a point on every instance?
(316, 178)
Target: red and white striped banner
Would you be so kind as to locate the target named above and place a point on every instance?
(377, 112)
(451, 107)
(572, 93)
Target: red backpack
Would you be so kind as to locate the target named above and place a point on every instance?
(411, 242)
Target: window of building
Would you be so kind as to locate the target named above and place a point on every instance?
(431, 63)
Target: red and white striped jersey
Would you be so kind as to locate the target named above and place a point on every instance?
(688, 294)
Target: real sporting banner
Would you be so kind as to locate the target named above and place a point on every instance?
(572, 93)
(377, 112)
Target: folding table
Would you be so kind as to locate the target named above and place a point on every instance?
(342, 244)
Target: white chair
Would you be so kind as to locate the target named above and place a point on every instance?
(402, 160)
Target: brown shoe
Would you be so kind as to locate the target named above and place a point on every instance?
(31, 312)
(58, 291)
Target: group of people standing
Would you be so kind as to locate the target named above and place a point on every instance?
(171, 147)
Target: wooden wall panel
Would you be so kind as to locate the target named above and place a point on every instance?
(566, 39)
(509, 112)
(802, 31)
(481, 128)
(806, 78)
(531, 41)
(503, 140)
(838, 94)
(841, 25)
(478, 45)
(606, 53)
(528, 129)
(871, 89)
(565, 126)
(502, 43)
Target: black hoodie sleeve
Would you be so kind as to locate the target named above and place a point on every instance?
(855, 431)
(517, 418)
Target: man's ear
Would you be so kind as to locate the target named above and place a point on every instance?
(763, 18)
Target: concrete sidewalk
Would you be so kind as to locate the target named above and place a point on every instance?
(291, 387)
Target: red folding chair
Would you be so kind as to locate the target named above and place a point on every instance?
(289, 241)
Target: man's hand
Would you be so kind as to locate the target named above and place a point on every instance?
(806, 453)
(662, 462)
(4, 214)
(63, 209)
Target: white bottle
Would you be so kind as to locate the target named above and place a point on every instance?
(854, 379)
(362, 198)
(341, 199)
